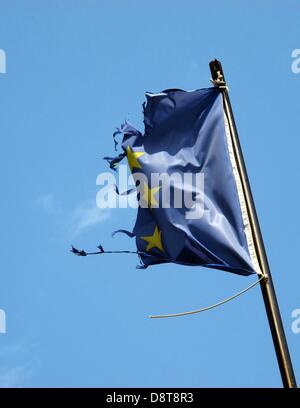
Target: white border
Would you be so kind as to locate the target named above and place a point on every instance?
(243, 207)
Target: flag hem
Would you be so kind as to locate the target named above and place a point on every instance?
(242, 200)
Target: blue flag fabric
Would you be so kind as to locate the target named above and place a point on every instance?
(185, 132)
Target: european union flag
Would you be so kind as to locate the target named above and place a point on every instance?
(186, 133)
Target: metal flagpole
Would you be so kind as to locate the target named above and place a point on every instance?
(268, 292)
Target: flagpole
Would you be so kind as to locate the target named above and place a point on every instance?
(267, 287)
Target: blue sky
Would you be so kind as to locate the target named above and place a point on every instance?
(75, 71)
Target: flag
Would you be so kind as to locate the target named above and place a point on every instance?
(187, 134)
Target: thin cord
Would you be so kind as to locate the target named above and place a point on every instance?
(209, 307)
(101, 251)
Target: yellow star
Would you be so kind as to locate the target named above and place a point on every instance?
(154, 241)
(132, 158)
(149, 195)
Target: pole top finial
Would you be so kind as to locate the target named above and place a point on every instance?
(217, 73)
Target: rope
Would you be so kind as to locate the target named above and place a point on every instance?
(209, 307)
(102, 251)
